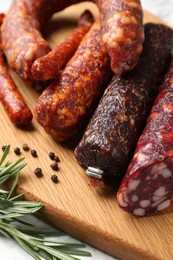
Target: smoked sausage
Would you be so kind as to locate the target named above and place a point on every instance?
(49, 66)
(14, 104)
(122, 32)
(73, 95)
(112, 133)
(148, 184)
(23, 44)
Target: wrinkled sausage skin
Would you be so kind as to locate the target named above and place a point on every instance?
(148, 184)
(49, 66)
(112, 133)
(21, 37)
(23, 43)
(64, 105)
(14, 104)
(122, 32)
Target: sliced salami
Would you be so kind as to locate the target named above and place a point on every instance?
(148, 184)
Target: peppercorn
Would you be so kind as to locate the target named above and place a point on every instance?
(56, 158)
(3, 147)
(54, 178)
(25, 147)
(51, 155)
(54, 166)
(34, 153)
(17, 151)
(38, 172)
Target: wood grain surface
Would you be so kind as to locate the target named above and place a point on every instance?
(74, 205)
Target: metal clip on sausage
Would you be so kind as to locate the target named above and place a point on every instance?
(94, 172)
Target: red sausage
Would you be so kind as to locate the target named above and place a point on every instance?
(148, 184)
(122, 32)
(72, 97)
(23, 43)
(49, 66)
(14, 104)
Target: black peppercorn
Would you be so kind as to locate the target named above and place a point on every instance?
(25, 147)
(38, 172)
(54, 166)
(56, 158)
(3, 147)
(34, 153)
(54, 178)
(51, 155)
(17, 151)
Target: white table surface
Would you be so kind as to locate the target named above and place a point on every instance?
(9, 250)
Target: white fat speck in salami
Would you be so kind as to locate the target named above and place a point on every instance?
(158, 167)
(121, 201)
(163, 205)
(134, 198)
(160, 191)
(139, 212)
(144, 203)
(166, 173)
(133, 184)
(158, 201)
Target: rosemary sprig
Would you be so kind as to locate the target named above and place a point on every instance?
(13, 208)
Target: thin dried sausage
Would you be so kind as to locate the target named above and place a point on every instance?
(148, 184)
(110, 138)
(65, 104)
(23, 43)
(14, 104)
(49, 66)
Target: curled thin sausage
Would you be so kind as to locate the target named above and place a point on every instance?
(23, 43)
(148, 184)
(111, 136)
(14, 104)
(49, 66)
(66, 103)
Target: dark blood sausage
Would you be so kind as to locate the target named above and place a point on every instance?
(13, 102)
(112, 133)
(65, 104)
(148, 184)
(23, 43)
(122, 32)
(49, 66)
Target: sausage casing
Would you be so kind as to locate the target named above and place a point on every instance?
(65, 104)
(23, 44)
(148, 186)
(122, 32)
(14, 104)
(49, 66)
(112, 133)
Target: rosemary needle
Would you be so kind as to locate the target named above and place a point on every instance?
(29, 237)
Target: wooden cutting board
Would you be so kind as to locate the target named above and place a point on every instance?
(74, 205)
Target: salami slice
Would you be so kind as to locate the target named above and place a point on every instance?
(148, 184)
(111, 136)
